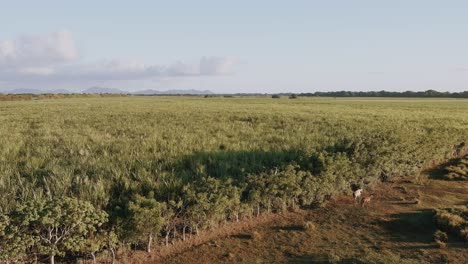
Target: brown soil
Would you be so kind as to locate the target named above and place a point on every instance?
(398, 223)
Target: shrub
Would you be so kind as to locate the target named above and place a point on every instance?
(256, 236)
(458, 171)
(275, 96)
(464, 234)
(440, 236)
(453, 220)
(441, 244)
(309, 226)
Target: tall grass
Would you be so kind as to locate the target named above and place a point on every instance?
(105, 150)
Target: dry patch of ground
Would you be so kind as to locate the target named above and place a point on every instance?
(397, 227)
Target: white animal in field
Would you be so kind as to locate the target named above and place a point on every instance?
(357, 194)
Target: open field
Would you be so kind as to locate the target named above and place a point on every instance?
(151, 171)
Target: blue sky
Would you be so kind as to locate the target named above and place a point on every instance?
(235, 46)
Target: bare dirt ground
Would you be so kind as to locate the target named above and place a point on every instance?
(397, 227)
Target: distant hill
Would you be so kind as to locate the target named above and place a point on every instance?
(35, 91)
(58, 91)
(191, 91)
(103, 90)
(24, 91)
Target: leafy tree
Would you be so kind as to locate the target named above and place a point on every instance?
(53, 227)
(147, 219)
(14, 242)
(98, 241)
(211, 201)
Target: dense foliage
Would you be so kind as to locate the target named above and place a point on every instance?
(142, 171)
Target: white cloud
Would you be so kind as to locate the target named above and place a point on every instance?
(461, 69)
(40, 71)
(36, 50)
(55, 58)
(217, 65)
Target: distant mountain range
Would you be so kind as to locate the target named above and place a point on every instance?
(191, 91)
(36, 91)
(104, 90)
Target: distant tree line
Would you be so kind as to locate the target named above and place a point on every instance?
(410, 94)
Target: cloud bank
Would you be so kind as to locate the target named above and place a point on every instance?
(38, 51)
(55, 58)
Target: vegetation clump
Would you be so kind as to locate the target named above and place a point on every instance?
(256, 236)
(50, 227)
(458, 171)
(309, 226)
(453, 220)
(440, 236)
(441, 239)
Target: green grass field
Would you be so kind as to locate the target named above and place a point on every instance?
(112, 152)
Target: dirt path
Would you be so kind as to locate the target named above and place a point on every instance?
(397, 224)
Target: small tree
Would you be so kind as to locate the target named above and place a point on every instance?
(211, 201)
(146, 217)
(95, 243)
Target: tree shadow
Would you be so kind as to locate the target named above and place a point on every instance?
(405, 202)
(417, 226)
(289, 228)
(437, 172)
(234, 164)
(324, 259)
(243, 236)
(318, 259)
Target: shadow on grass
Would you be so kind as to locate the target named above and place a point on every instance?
(438, 172)
(289, 228)
(309, 259)
(319, 259)
(235, 164)
(242, 236)
(417, 226)
(406, 202)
